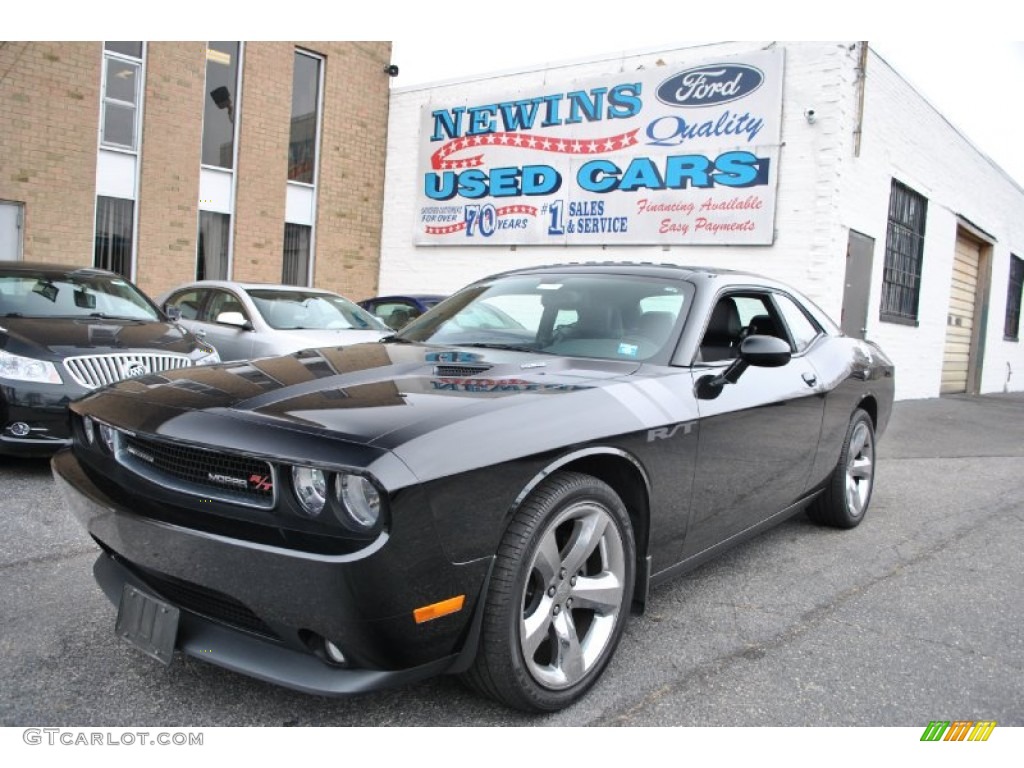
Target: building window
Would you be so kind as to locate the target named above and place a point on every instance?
(1013, 294)
(122, 74)
(904, 248)
(113, 248)
(305, 105)
(219, 114)
(212, 249)
(295, 270)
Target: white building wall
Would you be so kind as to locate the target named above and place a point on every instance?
(824, 190)
(905, 138)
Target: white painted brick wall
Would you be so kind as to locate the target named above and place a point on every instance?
(906, 138)
(823, 191)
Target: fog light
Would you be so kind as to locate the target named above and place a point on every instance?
(334, 652)
(20, 429)
(89, 427)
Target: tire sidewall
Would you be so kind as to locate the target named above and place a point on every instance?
(582, 488)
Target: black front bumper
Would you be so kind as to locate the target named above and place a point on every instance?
(264, 611)
(44, 408)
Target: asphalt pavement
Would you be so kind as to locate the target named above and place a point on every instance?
(911, 617)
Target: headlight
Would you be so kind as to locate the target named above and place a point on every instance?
(27, 369)
(107, 436)
(310, 489)
(360, 501)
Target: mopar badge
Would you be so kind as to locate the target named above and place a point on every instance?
(234, 482)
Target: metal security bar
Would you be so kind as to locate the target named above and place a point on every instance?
(904, 247)
(93, 371)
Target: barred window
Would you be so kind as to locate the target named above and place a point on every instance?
(904, 248)
(1013, 294)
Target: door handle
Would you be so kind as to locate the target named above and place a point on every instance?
(810, 379)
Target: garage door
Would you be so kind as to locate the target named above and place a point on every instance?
(960, 319)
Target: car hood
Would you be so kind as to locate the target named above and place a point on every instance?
(55, 338)
(385, 395)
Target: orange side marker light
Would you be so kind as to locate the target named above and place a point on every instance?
(437, 610)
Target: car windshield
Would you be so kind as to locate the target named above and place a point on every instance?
(83, 294)
(612, 317)
(309, 310)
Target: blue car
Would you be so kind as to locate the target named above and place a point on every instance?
(396, 311)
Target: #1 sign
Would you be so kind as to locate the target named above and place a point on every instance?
(680, 155)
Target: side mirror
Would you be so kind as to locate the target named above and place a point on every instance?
(757, 351)
(173, 313)
(236, 319)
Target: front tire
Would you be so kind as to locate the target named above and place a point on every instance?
(847, 495)
(559, 595)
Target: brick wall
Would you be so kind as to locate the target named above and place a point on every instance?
(352, 157)
(264, 116)
(172, 132)
(824, 190)
(48, 135)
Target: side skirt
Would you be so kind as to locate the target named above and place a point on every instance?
(693, 561)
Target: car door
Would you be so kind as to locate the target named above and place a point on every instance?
(232, 342)
(758, 438)
(189, 303)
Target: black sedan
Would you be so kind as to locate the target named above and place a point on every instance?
(64, 331)
(472, 499)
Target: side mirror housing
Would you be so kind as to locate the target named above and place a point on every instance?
(757, 351)
(236, 319)
(173, 313)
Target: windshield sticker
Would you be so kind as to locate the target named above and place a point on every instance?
(630, 350)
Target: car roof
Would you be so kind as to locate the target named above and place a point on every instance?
(54, 270)
(254, 286)
(413, 296)
(690, 273)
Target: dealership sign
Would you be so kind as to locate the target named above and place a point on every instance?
(676, 155)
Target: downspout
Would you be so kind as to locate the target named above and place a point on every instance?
(862, 66)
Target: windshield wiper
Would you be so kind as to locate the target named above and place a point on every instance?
(394, 338)
(496, 345)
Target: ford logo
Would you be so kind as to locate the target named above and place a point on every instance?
(710, 85)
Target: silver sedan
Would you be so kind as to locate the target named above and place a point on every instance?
(250, 320)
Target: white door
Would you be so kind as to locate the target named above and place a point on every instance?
(11, 222)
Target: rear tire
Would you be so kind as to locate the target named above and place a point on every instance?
(848, 491)
(559, 595)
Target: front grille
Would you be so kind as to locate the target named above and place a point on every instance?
(200, 472)
(93, 371)
(205, 602)
(459, 371)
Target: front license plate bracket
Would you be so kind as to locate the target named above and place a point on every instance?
(148, 623)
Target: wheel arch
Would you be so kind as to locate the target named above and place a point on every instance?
(869, 404)
(624, 473)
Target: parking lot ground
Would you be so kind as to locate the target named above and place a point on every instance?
(911, 617)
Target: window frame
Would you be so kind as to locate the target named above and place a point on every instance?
(1014, 291)
(135, 106)
(898, 293)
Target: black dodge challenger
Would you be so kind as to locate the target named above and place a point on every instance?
(489, 492)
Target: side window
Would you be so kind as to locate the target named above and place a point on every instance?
(733, 319)
(801, 328)
(395, 313)
(189, 302)
(222, 302)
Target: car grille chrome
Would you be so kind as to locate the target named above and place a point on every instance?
(92, 371)
(200, 472)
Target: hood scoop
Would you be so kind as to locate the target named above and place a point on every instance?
(459, 371)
